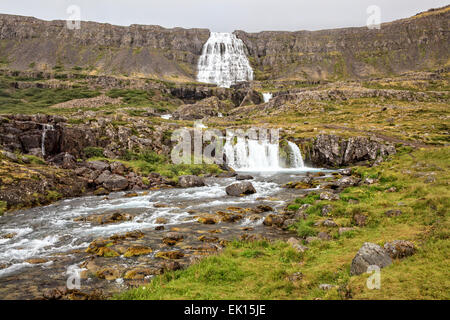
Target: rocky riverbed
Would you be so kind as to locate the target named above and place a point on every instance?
(124, 239)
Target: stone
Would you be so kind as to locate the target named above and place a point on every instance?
(399, 249)
(140, 273)
(326, 209)
(241, 177)
(239, 189)
(172, 238)
(273, 220)
(359, 219)
(160, 220)
(393, 213)
(326, 286)
(329, 223)
(369, 254)
(97, 165)
(297, 276)
(207, 219)
(191, 181)
(324, 236)
(329, 196)
(309, 240)
(169, 255)
(137, 251)
(101, 192)
(10, 156)
(117, 168)
(344, 230)
(115, 183)
(288, 223)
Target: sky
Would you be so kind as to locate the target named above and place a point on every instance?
(224, 15)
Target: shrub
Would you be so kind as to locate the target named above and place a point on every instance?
(93, 152)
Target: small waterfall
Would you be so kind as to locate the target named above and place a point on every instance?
(223, 61)
(255, 155)
(267, 96)
(295, 156)
(45, 127)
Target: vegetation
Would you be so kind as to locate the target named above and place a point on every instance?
(261, 270)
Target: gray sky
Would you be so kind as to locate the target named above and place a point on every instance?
(224, 15)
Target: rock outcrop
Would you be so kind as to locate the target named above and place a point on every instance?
(239, 189)
(369, 254)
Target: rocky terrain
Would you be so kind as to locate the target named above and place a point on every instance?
(87, 185)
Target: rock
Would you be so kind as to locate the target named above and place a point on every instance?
(393, 213)
(300, 214)
(329, 196)
(137, 251)
(169, 255)
(207, 219)
(346, 171)
(399, 249)
(140, 273)
(392, 189)
(293, 241)
(115, 182)
(10, 156)
(172, 238)
(241, 177)
(326, 209)
(329, 223)
(309, 240)
(131, 194)
(191, 181)
(273, 220)
(326, 286)
(360, 220)
(64, 160)
(324, 236)
(239, 189)
(369, 254)
(230, 174)
(263, 208)
(97, 165)
(370, 181)
(171, 266)
(36, 261)
(346, 182)
(297, 276)
(160, 220)
(117, 168)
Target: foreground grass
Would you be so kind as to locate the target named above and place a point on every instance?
(260, 270)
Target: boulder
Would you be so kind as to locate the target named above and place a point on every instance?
(329, 196)
(239, 189)
(97, 165)
(369, 254)
(115, 182)
(399, 249)
(64, 160)
(191, 181)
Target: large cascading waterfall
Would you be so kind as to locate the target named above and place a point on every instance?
(223, 61)
(255, 155)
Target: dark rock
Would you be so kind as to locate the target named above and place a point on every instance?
(97, 165)
(399, 249)
(239, 189)
(393, 213)
(243, 177)
(369, 254)
(64, 160)
(360, 219)
(324, 236)
(115, 183)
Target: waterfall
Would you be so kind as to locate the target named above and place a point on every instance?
(295, 155)
(255, 155)
(45, 127)
(223, 61)
(267, 96)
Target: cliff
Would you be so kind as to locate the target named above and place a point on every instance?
(30, 43)
(417, 43)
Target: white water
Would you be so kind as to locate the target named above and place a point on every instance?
(267, 96)
(166, 116)
(223, 61)
(46, 127)
(255, 155)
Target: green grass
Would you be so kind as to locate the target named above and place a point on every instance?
(259, 270)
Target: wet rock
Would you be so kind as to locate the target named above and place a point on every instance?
(229, 217)
(208, 239)
(369, 254)
(108, 273)
(36, 261)
(240, 189)
(273, 220)
(360, 220)
(241, 177)
(171, 266)
(159, 228)
(399, 249)
(137, 251)
(329, 196)
(393, 213)
(169, 255)
(131, 195)
(101, 192)
(191, 181)
(207, 219)
(161, 220)
(140, 273)
(263, 208)
(172, 238)
(346, 171)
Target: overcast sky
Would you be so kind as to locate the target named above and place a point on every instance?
(224, 15)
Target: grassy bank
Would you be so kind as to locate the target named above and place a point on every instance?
(415, 182)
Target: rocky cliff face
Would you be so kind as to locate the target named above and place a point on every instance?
(150, 50)
(417, 43)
